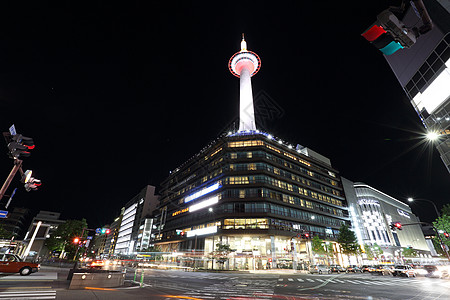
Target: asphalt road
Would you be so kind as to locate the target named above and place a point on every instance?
(50, 283)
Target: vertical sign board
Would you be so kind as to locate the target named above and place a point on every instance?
(12, 130)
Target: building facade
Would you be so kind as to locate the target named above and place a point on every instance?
(424, 73)
(256, 194)
(46, 222)
(138, 208)
(372, 212)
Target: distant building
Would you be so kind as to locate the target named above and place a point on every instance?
(15, 223)
(372, 213)
(50, 222)
(110, 243)
(424, 73)
(137, 209)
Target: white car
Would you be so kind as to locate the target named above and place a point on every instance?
(320, 269)
(404, 270)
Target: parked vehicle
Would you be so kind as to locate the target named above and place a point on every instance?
(354, 269)
(321, 269)
(404, 270)
(381, 269)
(11, 263)
(365, 268)
(336, 268)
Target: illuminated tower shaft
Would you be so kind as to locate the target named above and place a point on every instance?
(244, 64)
(246, 109)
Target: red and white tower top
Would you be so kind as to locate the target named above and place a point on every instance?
(244, 64)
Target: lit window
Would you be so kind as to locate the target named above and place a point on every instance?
(249, 155)
(252, 166)
(233, 155)
(241, 193)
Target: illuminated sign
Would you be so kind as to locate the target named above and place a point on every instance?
(368, 201)
(205, 203)
(202, 192)
(180, 211)
(403, 213)
(202, 231)
(436, 93)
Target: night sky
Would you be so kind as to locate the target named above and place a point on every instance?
(115, 97)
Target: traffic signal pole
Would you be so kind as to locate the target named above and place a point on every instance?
(17, 166)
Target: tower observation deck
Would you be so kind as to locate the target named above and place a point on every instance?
(244, 64)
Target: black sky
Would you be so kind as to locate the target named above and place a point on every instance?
(117, 96)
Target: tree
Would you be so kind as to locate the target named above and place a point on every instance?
(317, 245)
(4, 234)
(62, 238)
(442, 225)
(409, 252)
(347, 240)
(221, 253)
(446, 210)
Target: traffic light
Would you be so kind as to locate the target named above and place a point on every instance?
(19, 146)
(396, 225)
(388, 34)
(103, 230)
(26, 176)
(446, 235)
(32, 184)
(76, 240)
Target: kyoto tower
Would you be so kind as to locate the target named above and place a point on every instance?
(244, 64)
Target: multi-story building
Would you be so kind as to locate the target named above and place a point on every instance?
(372, 212)
(251, 191)
(138, 208)
(46, 222)
(15, 223)
(424, 73)
(111, 240)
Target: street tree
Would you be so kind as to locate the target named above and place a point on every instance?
(317, 245)
(4, 234)
(446, 210)
(221, 254)
(348, 241)
(409, 252)
(442, 225)
(61, 240)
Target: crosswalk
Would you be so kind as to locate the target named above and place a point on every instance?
(28, 295)
(390, 281)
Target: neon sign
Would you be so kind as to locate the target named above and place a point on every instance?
(202, 192)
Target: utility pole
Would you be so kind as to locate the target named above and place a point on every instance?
(16, 167)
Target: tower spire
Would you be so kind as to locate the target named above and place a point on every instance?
(244, 64)
(243, 44)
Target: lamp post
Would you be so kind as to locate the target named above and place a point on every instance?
(426, 200)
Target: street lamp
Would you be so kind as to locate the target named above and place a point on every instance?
(426, 200)
(432, 136)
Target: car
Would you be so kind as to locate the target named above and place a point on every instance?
(365, 268)
(381, 269)
(354, 269)
(435, 271)
(336, 268)
(321, 269)
(96, 264)
(404, 270)
(11, 263)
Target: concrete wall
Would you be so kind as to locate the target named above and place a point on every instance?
(99, 280)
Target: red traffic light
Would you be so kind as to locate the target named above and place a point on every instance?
(446, 234)
(107, 231)
(398, 225)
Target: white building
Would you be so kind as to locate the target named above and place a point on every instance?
(372, 213)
